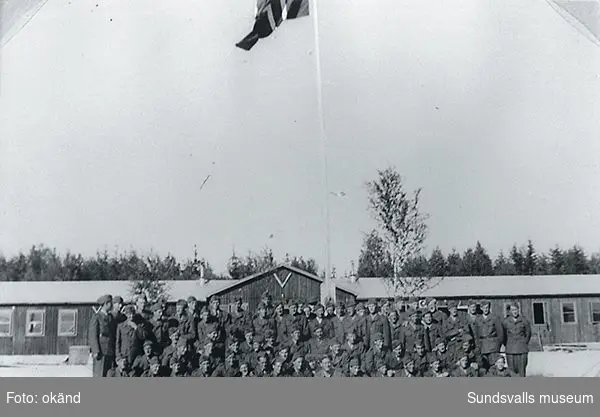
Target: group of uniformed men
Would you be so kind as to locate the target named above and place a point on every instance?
(380, 338)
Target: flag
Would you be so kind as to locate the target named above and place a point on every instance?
(583, 15)
(269, 15)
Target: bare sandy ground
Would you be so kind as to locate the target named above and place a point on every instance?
(548, 364)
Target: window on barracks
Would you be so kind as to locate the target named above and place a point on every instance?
(67, 322)
(595, 312)
(568, 312)
(539, 314)
(35, 323)
(6, 315)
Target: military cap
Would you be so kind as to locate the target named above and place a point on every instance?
(378, 336)
(118, 299)
(452, 304)
(473, 302)
(156, 307)
(297, 356)
(485, 302)
(515, 304)
(191, 299)
(318, 326)
(380, 363)
(295, 328)
(500, 358)
(371, 301)
(351, 303)
(306, 307)
(396, 344)
(433, 359)
(154, 360)
(408, 359)
(280, 304)
(418, 342)
(147, 343)
(354, 362)
(314, 301)
(467, 337)
(215, 298)
(104, 299)
(360, 306)
(262, 354)
(128, 309)
(319, 307)
(173, 330)
(413, 313)
(181, 302)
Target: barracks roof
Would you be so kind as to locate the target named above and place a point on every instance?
(487, 286)
(87, 292)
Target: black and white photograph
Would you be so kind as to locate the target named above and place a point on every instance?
(300, 188)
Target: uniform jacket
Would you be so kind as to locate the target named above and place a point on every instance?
(430, 333)
(160, 334)
(517, 334)
(454, 327)
(494, 372)
(140, 365)
(262, 325)
(298, 348)
(491, 333)
(378, 324)
(341, 326)
(284, 326)
(412, 334)
(371, 357)
(459, 372)
(318, 347)
(102, 334)
(130, 341)
(325, 323)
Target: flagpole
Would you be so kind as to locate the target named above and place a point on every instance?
(327, 290)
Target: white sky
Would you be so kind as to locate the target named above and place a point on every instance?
(107, 129)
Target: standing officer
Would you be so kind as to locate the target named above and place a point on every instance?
(491, 335)
(517, 333)
(102, 336)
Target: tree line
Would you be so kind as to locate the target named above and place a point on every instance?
(42, 263)
(375, 261)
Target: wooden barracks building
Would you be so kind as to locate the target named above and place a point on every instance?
(46, 318)
(561, 308)
(39, 318)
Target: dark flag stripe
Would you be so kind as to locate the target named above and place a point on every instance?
(297, 8)
(269, 15)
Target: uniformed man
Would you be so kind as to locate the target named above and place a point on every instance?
(240, 319)
(228, 369)
(438, 315)
(321, 321)
(246, 346)
(295, 345)
(183, 320)
(378, 351)
(102, 337)
(436, 369)
(409, 370)
(141, 307)
(491, 335)
(318, 345)
(160, 329)
(330, 309)
(117, 309)
(193, 316)
(468, 348)
(205, 368)
(277, 369)
(431, 331)
(326, 369)
(377, 324)
(442, 354)
(500, 369)
(396, 327)
(299, 367)
(221, 318)
(421, 357)
(454, 327)
(353, 348)
(355, 369)
(181, 363)
(262, 322)
(517, 330)
(203, 324)
(396, 356)
(340, 323)
(154, 370)
(306, 317)
(360, 324)
(472, 319)
(283, 323)
(464, 368)
(262, 367)
(131, 335)
(123, 370)
(141, 363)
(413, 332)
(170, 350)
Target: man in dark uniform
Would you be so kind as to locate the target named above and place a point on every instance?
(240, 319)
(472, 320)
(283, 323)
(464, 368)
(413, 332)
(170, 350)
(438, 315)
(500, 369)
(491, 335)
(141, 364)
(117, 309)
(193, 313)
(340, 323)
(295, 343)
(377, 352)
(123, 370)
(421, 357)
(183, 320)
(261, 323)
(396, 327)
(454, 327)
(160, 329)
(305, 318)
(131, 335)
(318, 345)
(220, 318)
(321, 321)
(517, 331)
(377, 323)
(409, 370)
(355, 369)
(102, 337)
(431, 331)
